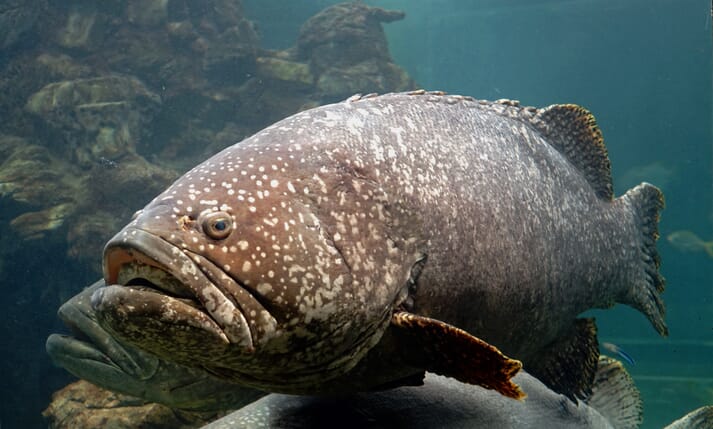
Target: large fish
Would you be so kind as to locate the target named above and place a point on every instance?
(339, 249)
(445, 403)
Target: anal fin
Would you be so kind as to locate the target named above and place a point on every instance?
(446, 350)
(615, 395)
(568, 364)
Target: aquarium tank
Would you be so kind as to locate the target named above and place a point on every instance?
(105, 104)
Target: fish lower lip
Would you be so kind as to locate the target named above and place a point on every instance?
(89, 341)
(138, 254)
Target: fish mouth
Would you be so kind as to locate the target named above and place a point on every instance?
(145, 267)
(90, 352)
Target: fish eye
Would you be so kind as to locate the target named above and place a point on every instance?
(217, 225)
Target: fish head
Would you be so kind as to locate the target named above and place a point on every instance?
(240, 268)
(91, 353)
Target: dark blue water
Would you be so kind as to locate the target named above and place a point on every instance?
(644, 68)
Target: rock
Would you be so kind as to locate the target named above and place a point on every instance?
(230, 58)
(77, 30)
(40, 188)
(345, 34)
(61, 66)
(365, 77)
(43, 193)
(34, 225)
(83, 405)
(17, 19)
(113, 192)
(99, 117)
(347, 51)
(291, 72)
(147, 13)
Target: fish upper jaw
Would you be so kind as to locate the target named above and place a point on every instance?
(135, 253)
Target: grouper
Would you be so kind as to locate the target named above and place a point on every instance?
(353, 246)
(445, 403)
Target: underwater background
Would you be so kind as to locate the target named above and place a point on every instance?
(104, 105)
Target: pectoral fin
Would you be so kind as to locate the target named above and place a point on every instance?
(444, 349)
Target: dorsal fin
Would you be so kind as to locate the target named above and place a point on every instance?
(573, 131)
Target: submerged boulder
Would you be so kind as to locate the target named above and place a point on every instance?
(347, 50)
(84, 405)
(98, 117)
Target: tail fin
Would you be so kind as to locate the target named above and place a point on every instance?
(645, 291)
(615, 396)
(709, 248)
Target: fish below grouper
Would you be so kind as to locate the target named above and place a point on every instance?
(445, 403)
(94, 355)
(356, 245)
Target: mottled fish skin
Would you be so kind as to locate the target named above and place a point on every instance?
(99, 358)
(333, 212)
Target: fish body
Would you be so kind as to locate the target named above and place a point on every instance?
(445, 403)
(280, 262)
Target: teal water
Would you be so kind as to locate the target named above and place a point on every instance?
(644, 68)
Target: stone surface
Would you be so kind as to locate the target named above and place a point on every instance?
(83, 405)
(101, 117)
(347, 51)
(17, 20)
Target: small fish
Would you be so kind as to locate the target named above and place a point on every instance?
(687, 241)
(619, 352)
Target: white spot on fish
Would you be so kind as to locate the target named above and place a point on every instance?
(264, 288)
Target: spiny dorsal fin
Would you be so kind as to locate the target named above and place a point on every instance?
(615, 396)
(573, 131)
